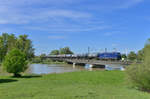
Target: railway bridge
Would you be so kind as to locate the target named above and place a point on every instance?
(93, 63)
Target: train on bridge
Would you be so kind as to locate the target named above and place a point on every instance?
(99, 56)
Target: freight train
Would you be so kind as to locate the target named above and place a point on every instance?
(99, 56)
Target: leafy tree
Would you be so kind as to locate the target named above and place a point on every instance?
(15, 62)
(140, 55)
(3, 45)
(42, 57)
(65, 50)
(10, 41)
(132, 56)
(138, 74)
(54, 52)
(36, 59)
(25, 45)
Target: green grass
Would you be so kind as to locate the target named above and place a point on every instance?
(75, 85)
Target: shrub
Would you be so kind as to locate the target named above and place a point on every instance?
(139, 74)
(15, 62)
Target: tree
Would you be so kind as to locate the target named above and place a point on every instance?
(132, 56)
(42, 57)
(36, 59)
(65, 50)
(54, 52)
(138, 74)
(3, 45)
(140, 55)
(10, 41)
(15, 62)
(25, 45)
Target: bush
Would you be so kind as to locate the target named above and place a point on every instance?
(15, 62)
(139, 74)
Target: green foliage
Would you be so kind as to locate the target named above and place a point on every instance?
(75, 85)
(25, 45)
(132, 56)
(138, 74)
(140, 55)
(65, 50)
(54, 52)
(61, 51)
(36, 59)
(15, 62)
(10, 41)
(42, 57)
(124, 56)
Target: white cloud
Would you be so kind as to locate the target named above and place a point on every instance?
(58, 15)
(25, 11)
(68, 29)
(16, 17)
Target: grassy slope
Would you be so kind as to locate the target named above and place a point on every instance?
(76, 85)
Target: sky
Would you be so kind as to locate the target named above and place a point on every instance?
(79, 24)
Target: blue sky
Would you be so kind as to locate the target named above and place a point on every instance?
(52, 24)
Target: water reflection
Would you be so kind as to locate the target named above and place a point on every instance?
(52, 68)
(61, 68)
(107, 67)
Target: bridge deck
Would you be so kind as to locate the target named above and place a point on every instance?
(96, 62)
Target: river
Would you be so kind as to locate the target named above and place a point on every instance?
(55, 68)
(60, 68)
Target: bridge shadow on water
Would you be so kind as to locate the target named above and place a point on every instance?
(7, 80)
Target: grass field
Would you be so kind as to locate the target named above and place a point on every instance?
(75, 85)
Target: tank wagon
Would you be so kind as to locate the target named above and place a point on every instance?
(99, 56)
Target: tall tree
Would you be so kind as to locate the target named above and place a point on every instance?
(65, 50)
(25, 45)
(54, 52)
(10, 41)
(3, 45)
(42, 57)
(132, 56)
(140, 55)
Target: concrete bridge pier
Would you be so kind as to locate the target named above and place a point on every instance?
(91, 65)
(74, 65)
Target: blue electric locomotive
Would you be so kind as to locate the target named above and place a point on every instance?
(109, 56)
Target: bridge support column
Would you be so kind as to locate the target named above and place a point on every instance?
(91, 65)
(74, 65)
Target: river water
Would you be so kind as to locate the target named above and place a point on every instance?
(59, 68)
(56, 68)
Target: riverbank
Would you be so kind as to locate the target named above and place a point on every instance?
(75, 85)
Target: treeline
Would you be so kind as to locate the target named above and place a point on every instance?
(10, 41)
(139, 56)
(61, 51)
